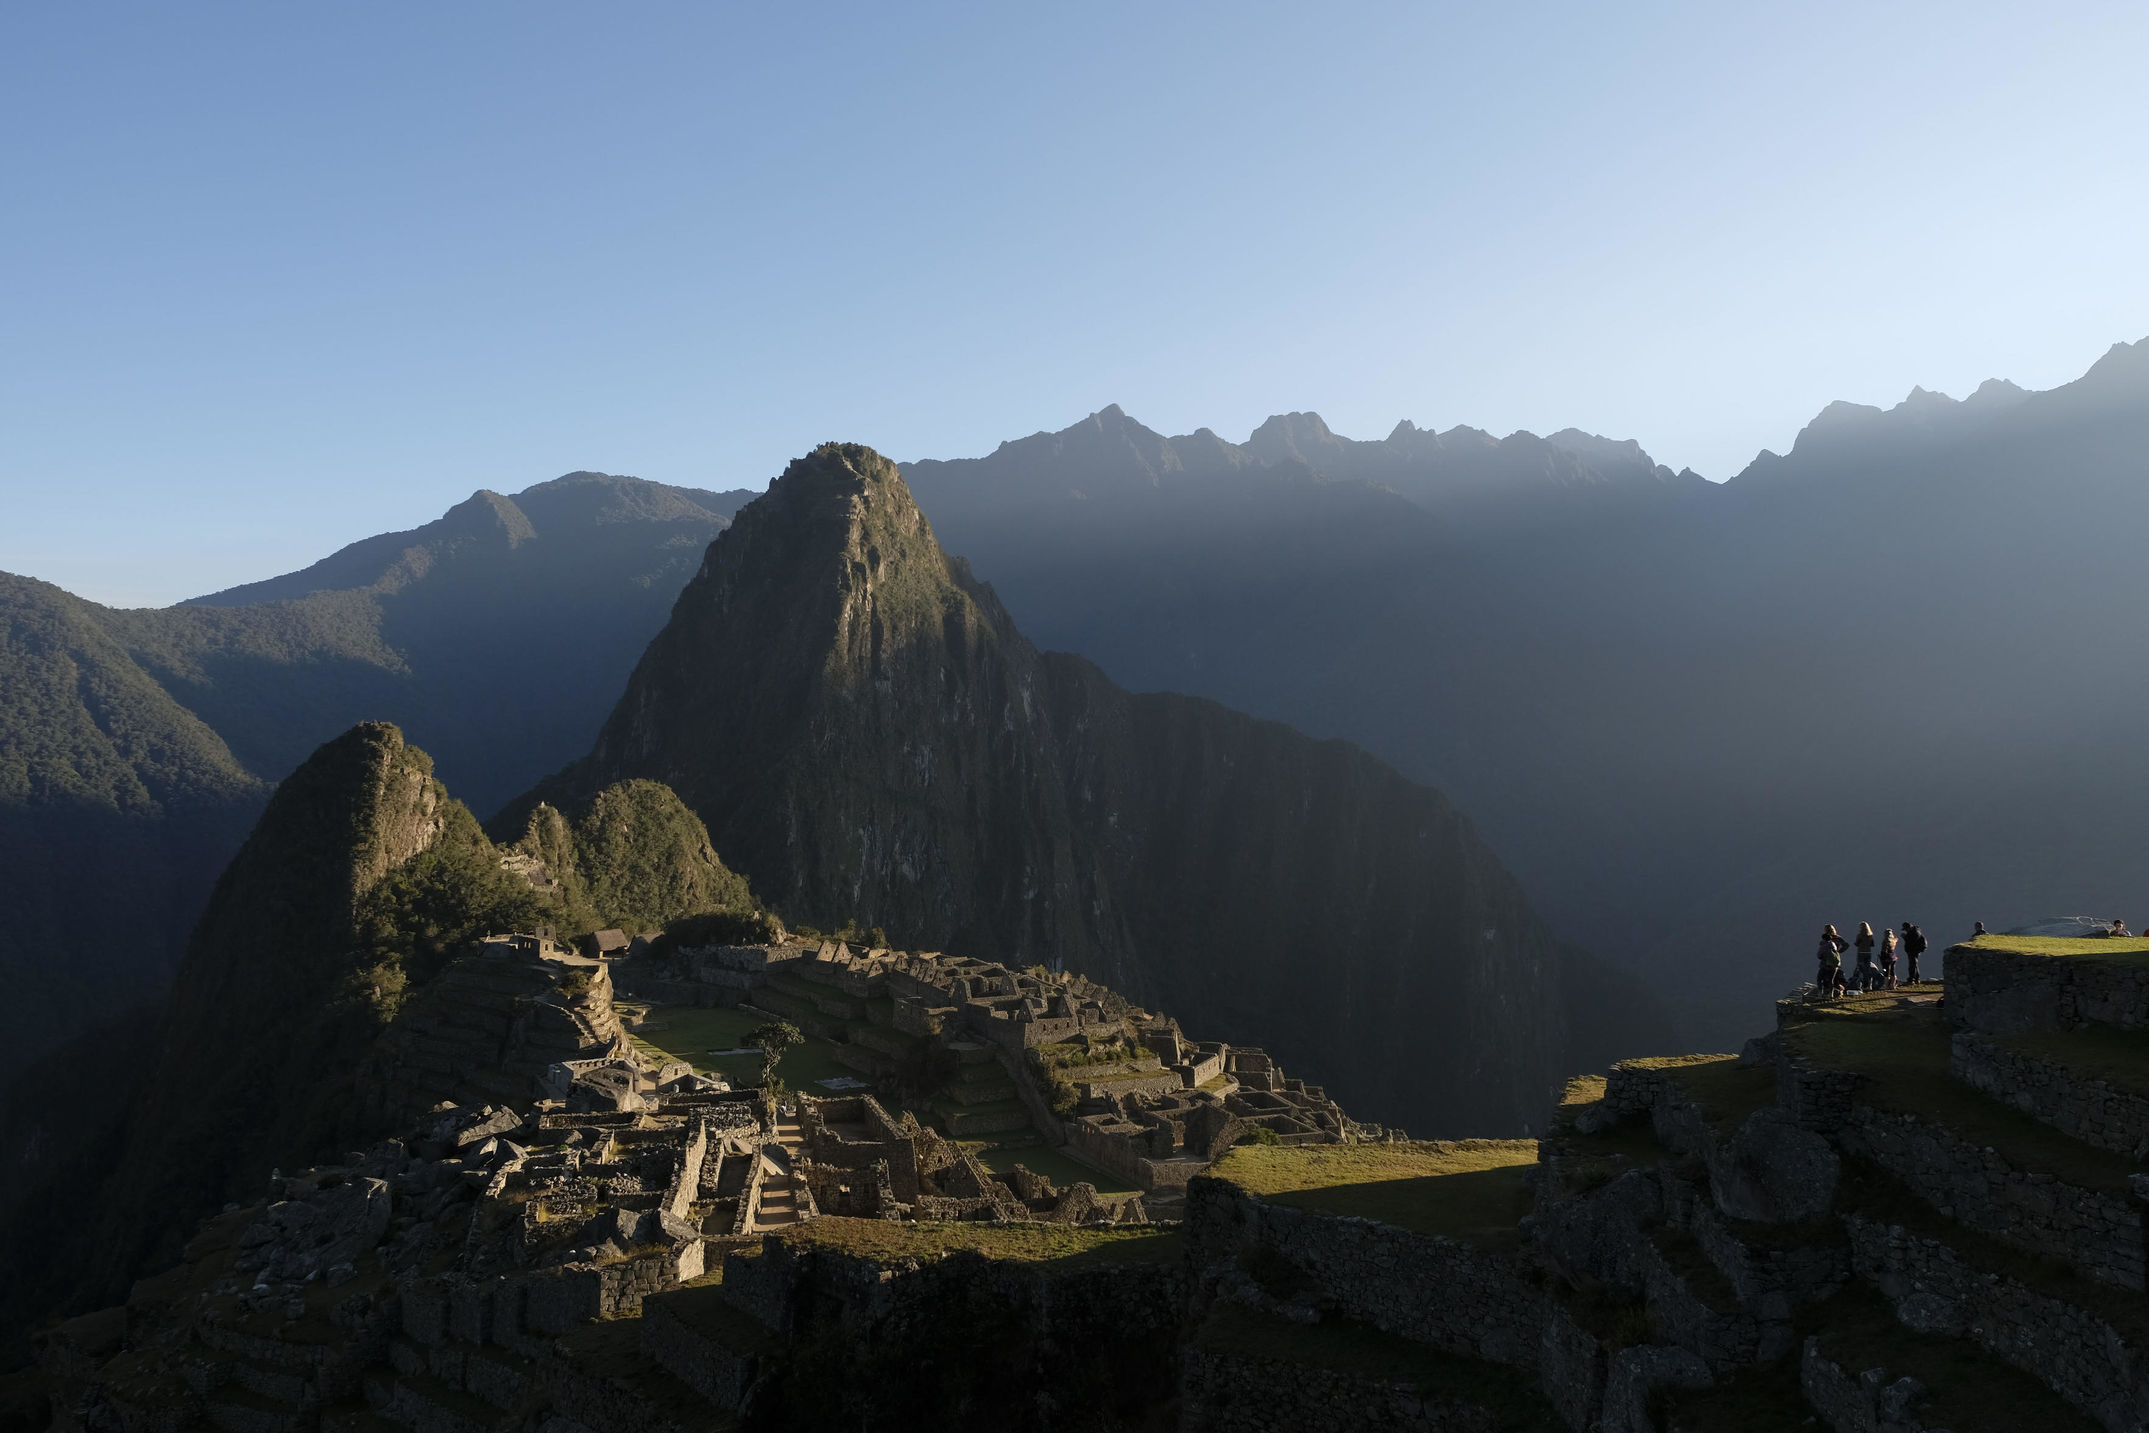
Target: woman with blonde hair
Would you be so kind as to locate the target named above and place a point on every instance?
(1867, 977)
(1887, 959)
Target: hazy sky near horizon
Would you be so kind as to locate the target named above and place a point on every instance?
(280, 277)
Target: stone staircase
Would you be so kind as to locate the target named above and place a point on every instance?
(782, 1202)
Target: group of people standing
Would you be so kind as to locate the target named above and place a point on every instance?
(1876, 967)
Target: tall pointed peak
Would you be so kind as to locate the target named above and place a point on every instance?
(487, 514)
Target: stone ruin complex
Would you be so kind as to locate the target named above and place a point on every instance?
(1120, 1088)
(1905, 1212)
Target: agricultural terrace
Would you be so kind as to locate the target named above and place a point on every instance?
(1472, 1189)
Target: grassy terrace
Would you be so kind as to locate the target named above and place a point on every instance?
(1348, 1347)
(1628, 1145)
(1726, 1090)
(2132, 951)
(1057, 1245)
(1061, 1169)
(690, 1032)
(1878, 1196)
(1973, 1392)
(2099, 1052)
(1472, 1189)
(1901, 1044)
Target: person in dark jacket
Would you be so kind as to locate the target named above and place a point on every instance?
(1913, 946)
(1977, 930)
(1830, 976)
(1867, 977)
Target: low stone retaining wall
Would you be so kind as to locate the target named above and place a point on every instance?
(1936, 1291)
(1861, 1402)
(1223, 1391)
(697, 1356)
(2099, 1234)
(2090, 1110)
(1450, 1295)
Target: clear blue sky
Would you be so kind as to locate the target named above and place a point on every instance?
(278, 277)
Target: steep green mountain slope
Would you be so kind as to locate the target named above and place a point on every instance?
(868, 735)
(137, 746)
(498, 635)
(117, 806)
(1887, 676)
(362, 878)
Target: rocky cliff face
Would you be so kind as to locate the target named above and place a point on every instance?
(868, 737)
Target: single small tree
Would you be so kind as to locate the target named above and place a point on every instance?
(772, 1040)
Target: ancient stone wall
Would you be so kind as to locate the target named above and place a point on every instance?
(1936, 1291)
(1442, 1292)
(2004, 992)
(2098, 1233)
(1230, 1391)
(2089, 1109)
(1867, 1401)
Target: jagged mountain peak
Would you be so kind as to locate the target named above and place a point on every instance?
(487, 515)
(1303, 436)
(868, 737)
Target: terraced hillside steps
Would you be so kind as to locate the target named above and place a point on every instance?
(1973, 1158)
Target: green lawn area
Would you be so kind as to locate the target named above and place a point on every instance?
(1063, 1170)
(1902, 1045)
(1463, 1189)
(2098, 1052)
(690, 1032)
(1629, 1145)
(2060, 945)
(1059, 1245)
(1349, 1347)
(1881, 1197)
(1726, 1090)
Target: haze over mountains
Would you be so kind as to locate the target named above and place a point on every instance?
(1887, 676)
(869, 737)
(137, 746)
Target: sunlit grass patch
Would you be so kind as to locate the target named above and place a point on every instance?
(1058, 1244)
(1473, 1189)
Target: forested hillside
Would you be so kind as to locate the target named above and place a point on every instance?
(137, 746)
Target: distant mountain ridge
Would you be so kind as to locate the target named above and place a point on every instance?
(868, 736)
(1862, 679)
(137, 746)
(581, 501)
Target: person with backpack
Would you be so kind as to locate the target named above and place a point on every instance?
(1913, 946)
(1830, 976)
(1887, 960)
(1867, 977)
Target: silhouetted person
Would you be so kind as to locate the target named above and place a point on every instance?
(1886, 973)
(1913, 946)
(1830, 976)
(1867, 977)
(1978, 930)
